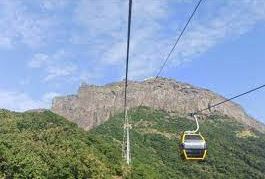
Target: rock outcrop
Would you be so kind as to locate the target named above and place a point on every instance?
(93, 105)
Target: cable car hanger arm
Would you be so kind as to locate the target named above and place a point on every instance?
(194, 115)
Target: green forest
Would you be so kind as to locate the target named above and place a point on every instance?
(45, 145)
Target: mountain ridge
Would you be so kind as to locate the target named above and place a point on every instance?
(93, 105)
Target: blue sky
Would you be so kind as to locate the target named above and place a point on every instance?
(49, 47)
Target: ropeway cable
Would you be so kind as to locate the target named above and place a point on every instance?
(226, 100)
(173, 47)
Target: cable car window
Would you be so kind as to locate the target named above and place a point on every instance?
(193, 137)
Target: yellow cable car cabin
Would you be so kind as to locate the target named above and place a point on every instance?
(193, 146)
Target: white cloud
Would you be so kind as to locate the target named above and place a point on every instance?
(39, 60)
(19, 24)
(54, 4)
(19, 101)
(153, 21)
(57, 65)
(25, 81)
(5, 42)
(233, 20)
(60, 71)
(101, 16)
(106, 21)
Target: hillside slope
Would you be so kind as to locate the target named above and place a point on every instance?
(46, 145)
(234, 151)
(93, 105)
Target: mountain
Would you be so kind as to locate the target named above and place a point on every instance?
(46, 145)
(93, 105)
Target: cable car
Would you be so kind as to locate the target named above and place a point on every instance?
(192, 144)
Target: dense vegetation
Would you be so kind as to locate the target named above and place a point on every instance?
(46, 145)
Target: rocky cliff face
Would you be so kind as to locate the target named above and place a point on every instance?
(93, 105)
